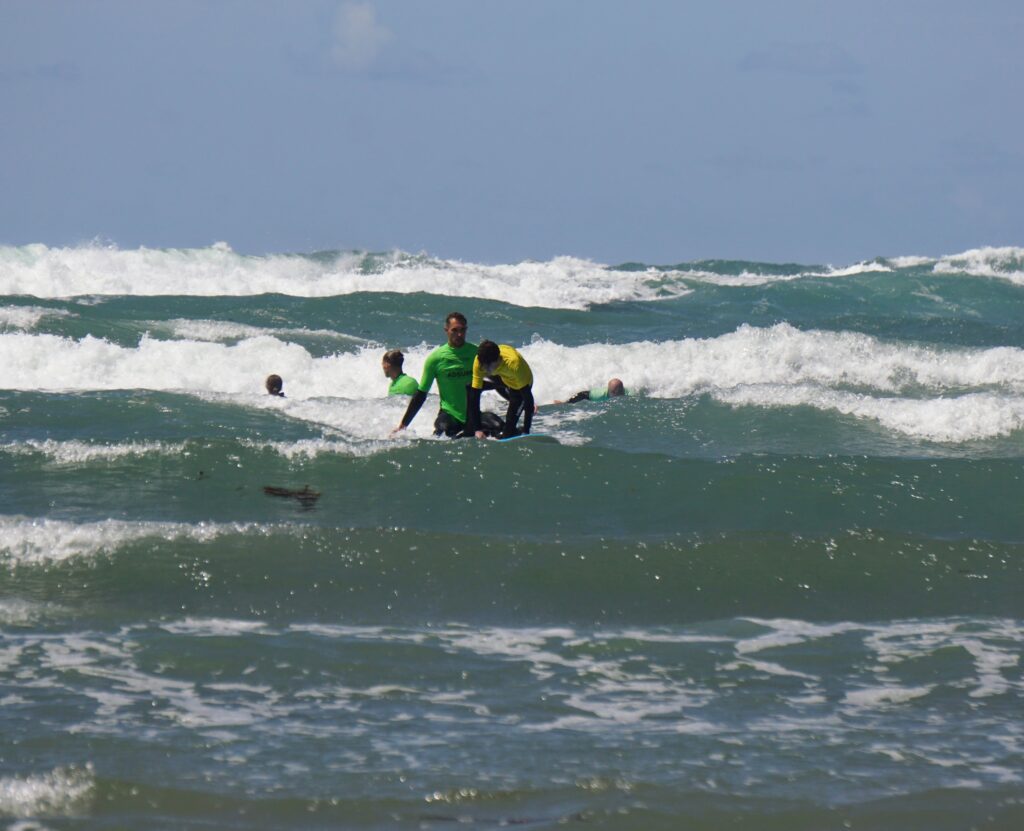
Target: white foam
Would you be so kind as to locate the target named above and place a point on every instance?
(948, 394)
(630, 703)
(529, 645)
(17, 612)
(26, 317)
(747, 279)
(971, 417)
(909, 261)
(779, 355)
(562, 283)
(80, 452)
(768, 668)
(26, 541)
(125, 685)
(612, 694)
(61, 792)
(784, 632)
(214, 627)
(874, 697)
(1006, 263)
(990, 662)
(52, 363)
(742, 280)
(337, 630)
(219, 330)
(873, 267)
(992, 653)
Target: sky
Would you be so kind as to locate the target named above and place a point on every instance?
(655, 131)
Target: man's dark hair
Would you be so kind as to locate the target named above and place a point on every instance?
(274, 384)
(394, 357)
(459, 316)
(488, 352)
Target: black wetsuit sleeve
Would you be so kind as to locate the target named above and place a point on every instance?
(528, 408)
(582, 395)
(472, 410)
(496, 385)
(414, 407)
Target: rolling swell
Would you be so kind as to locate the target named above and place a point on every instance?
(601, 802)
(525, 491)
(286, 571)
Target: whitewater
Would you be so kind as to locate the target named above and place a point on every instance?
(777, 585)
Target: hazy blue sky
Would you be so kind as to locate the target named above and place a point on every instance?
(658, 131)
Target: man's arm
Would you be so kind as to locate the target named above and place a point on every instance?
(426, 382)
(497, 385)
(472, 410)
(414, 407)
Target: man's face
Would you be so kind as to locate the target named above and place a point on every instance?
(456, 332)
(387, 368)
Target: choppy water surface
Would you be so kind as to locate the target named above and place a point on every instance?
(777, 586)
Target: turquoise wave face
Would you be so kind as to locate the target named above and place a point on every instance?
(777, 585)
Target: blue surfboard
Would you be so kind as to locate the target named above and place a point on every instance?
(543, 436)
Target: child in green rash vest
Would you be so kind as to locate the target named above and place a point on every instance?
(401, 384)
(451, 365)
(614, 388)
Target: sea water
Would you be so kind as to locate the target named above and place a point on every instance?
(778, 586)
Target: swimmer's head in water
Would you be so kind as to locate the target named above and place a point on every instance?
(275, 386)
(615, 387)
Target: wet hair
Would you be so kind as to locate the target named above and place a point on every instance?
(615, 387)
(459, 316)
(488, 352)
(394, 357)
(274, 384)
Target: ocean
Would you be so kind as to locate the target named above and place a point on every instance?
(780, 585)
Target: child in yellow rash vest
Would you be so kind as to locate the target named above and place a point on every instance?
(505, 367)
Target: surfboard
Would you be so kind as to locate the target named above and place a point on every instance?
(542, 436)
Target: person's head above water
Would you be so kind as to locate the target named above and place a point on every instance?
(488, 355)
(455, 328)
(615, 387)
(275, 386)
(392, 363)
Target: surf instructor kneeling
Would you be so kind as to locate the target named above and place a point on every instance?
(451, 365)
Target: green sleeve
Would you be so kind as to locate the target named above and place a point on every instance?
(429, 372)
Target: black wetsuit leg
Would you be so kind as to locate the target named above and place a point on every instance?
(491, 424)
(447, 425)
(520, 402)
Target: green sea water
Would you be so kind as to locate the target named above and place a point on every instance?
(778, 586)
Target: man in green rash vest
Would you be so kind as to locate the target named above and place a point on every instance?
(614, 388)
(451, 365)
(401, 384)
